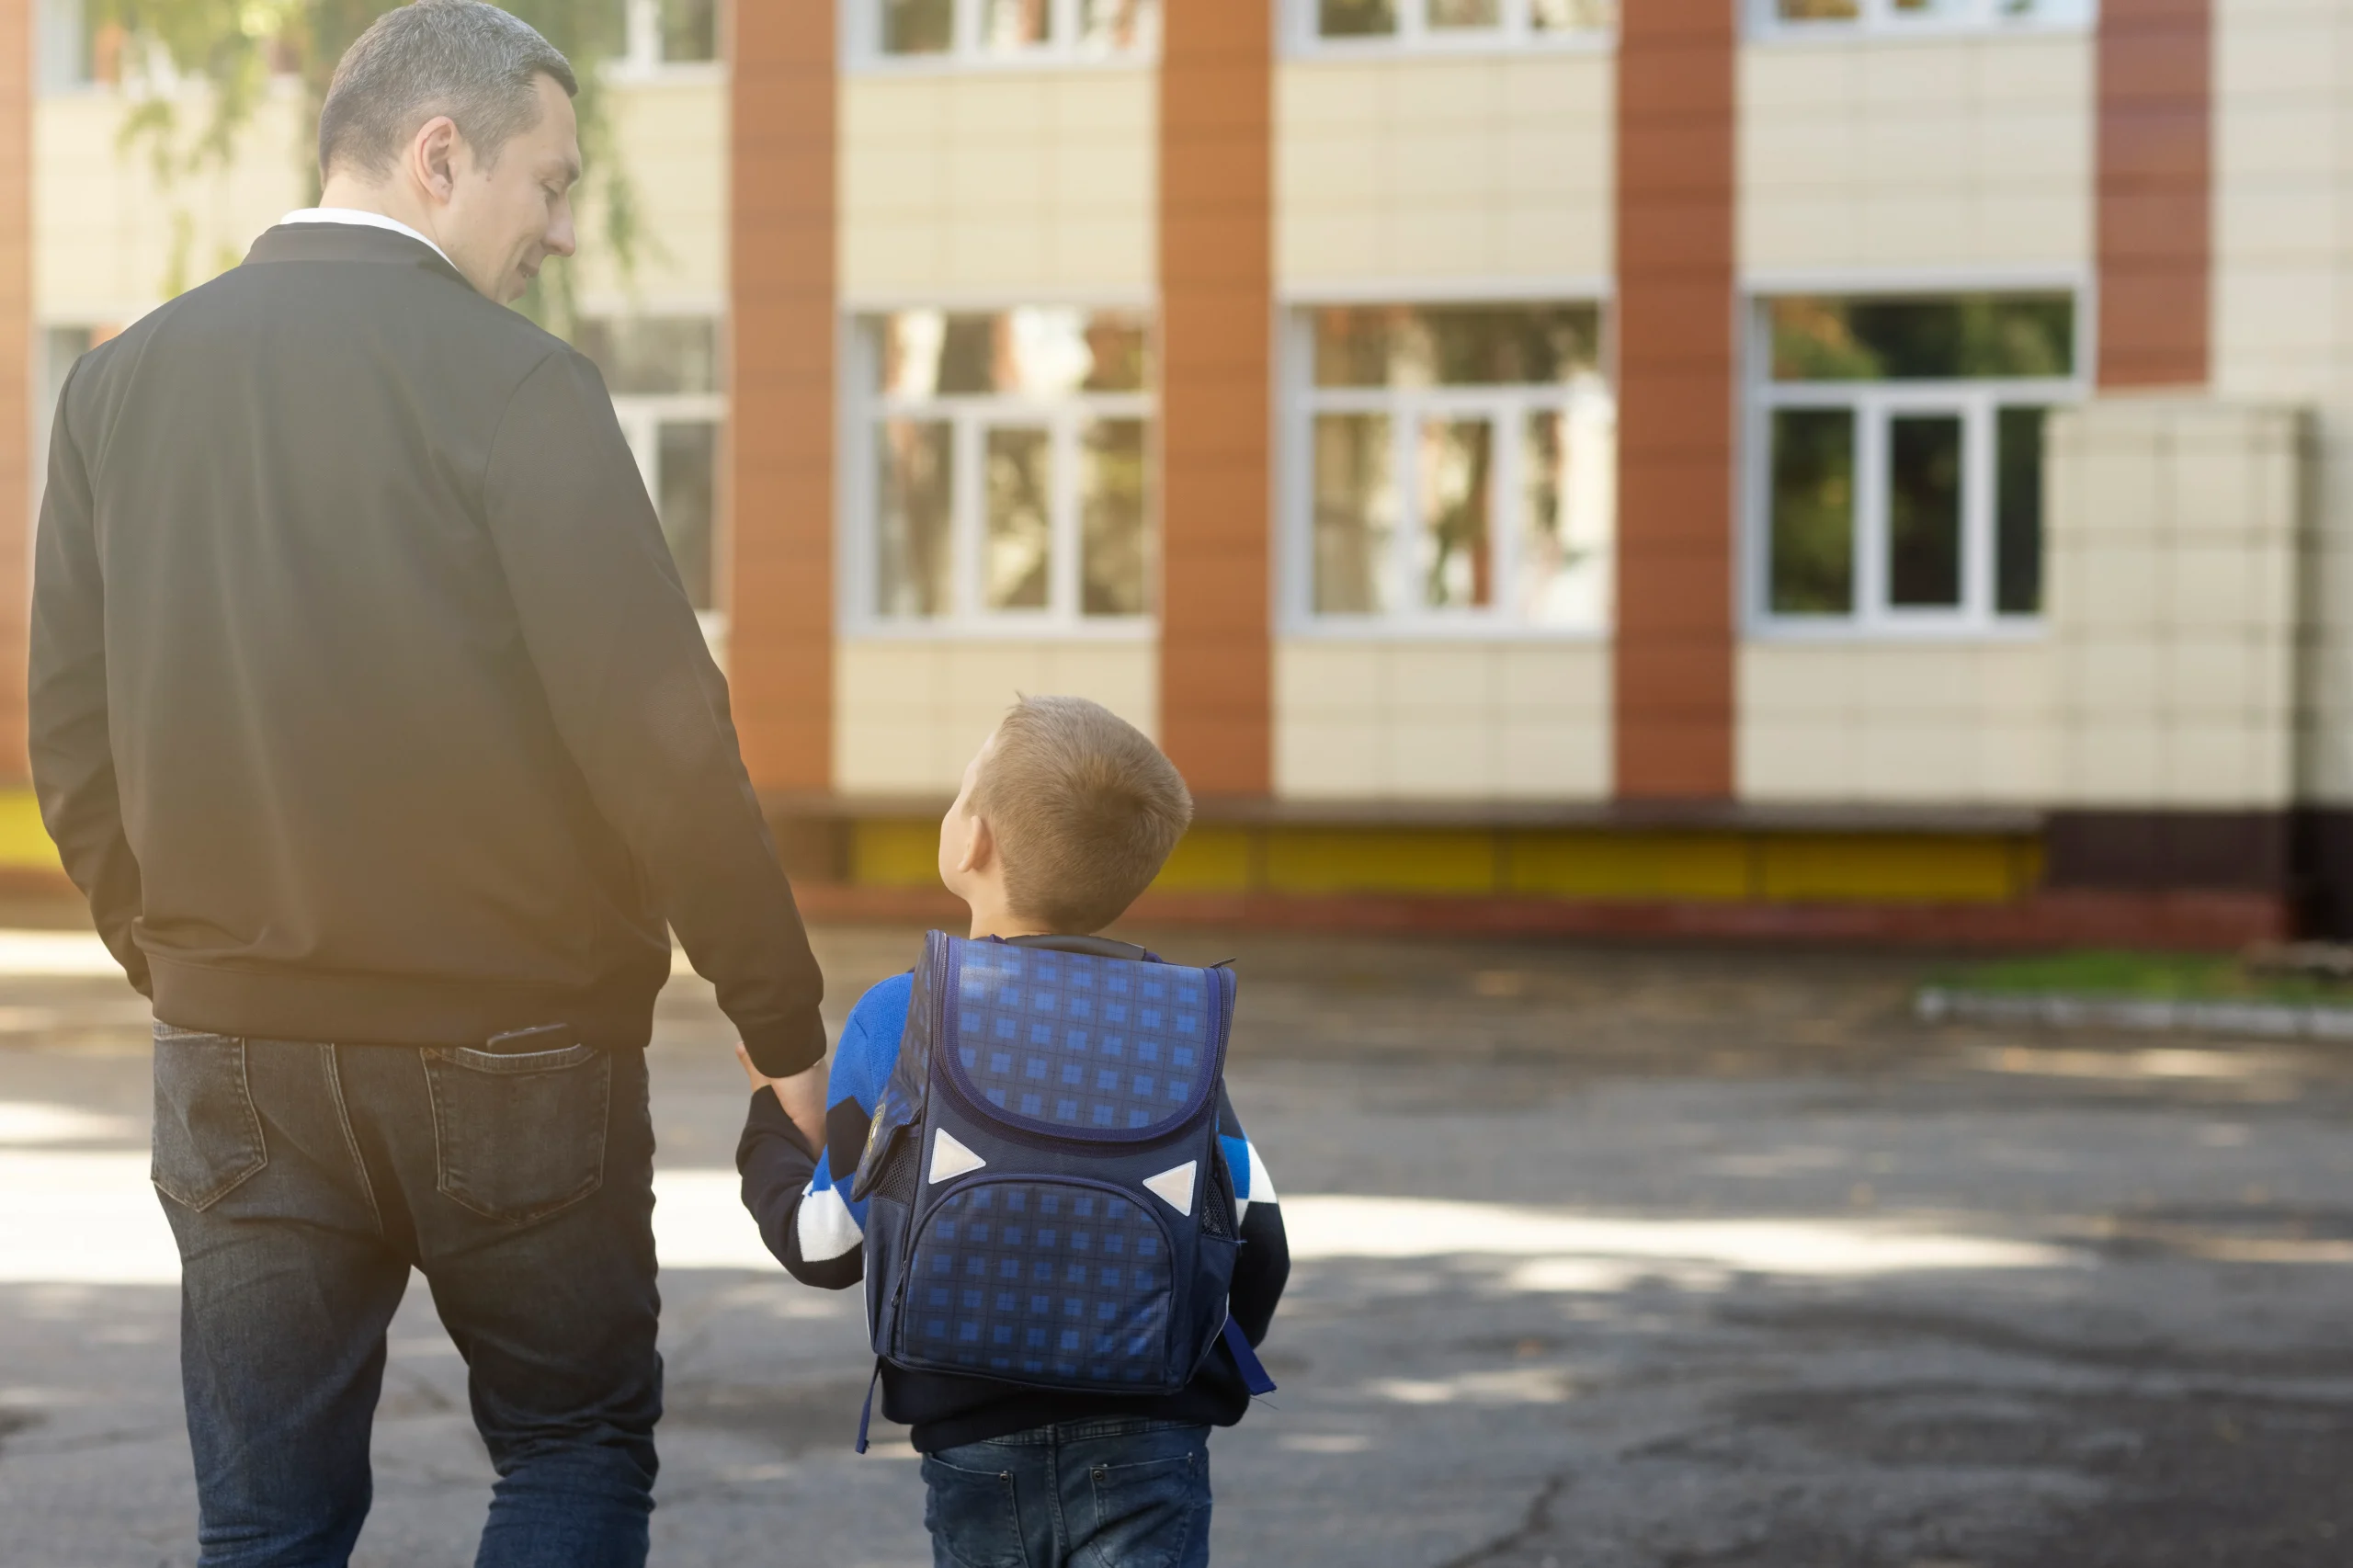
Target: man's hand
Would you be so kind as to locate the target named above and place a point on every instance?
(802, 1095)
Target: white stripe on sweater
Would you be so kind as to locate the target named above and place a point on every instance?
(1258, 1184)
(827, 1230)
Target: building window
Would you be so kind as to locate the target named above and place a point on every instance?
(1005, 479)
(56, 349)
(664, 373)
(1812, 19)
(1350, 25)
(1454, 467)
(67, 52)
(1898, 445)
(667, 34)
(77, 47)
(1002, 32)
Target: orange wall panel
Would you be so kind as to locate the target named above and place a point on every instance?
(780, 490)
(1216, 418)
(2156, 204)
(1675, 660)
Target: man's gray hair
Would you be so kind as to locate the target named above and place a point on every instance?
(462, 58)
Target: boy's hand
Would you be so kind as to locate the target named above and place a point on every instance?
(802, 1095)
(759, 1079)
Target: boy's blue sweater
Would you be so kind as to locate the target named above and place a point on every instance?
(810, 1223)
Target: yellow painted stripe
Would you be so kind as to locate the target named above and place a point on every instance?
(24, 843)
(1317, 860)
(1705, 867)
(1591, 863)
(1887, 868)
(894, 854)
(1209, 859)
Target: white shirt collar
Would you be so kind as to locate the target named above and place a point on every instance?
(365, 220)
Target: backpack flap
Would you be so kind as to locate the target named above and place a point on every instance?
(1091, 1049)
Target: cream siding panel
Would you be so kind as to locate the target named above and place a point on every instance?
(908, 713)
(104, 229)
(674, 136)
(2283, 309)
(1482, 170)
(1029, 185)
(1930, 723)
(2163, 675)
(1916, 155)
(1428, 721)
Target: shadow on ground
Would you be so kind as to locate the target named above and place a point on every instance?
(1735, 1264)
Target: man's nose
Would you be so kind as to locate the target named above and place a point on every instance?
(561, 238)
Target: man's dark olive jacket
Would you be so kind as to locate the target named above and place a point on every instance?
(366, 703)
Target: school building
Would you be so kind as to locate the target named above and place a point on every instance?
(1875, 469)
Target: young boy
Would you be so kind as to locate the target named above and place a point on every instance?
(1065, 815)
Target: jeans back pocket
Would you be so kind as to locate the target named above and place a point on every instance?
(1150, 1513)
(518, 1137)
(974, 1516)
(208, 1138)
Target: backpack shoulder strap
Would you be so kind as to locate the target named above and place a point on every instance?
(908, 1088)
(1245, 1361)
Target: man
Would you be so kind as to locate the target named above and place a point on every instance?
(369, 711)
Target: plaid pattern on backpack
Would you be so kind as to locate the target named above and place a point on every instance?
(1047, 1203)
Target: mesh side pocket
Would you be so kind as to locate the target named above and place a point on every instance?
(897, 1179)
(1216, 1204)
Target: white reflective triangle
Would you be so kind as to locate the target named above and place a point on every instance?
(1174, 1187)
(949, 1158)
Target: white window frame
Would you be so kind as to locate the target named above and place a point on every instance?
(642, 416)
(1515, 34)
(1301, 401)
(1977, 401)
(1880, 18)
(970, 416)
(58, 65)
(47, 384)
(861, 34)
(640, 59)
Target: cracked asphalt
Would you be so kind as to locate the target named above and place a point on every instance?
(1608, 1257)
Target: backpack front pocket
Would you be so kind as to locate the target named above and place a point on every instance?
(1042, 1280)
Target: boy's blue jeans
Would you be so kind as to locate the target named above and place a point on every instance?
(302, 1182)
(1118, 1493)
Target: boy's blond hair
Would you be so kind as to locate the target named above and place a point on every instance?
(1084, 808)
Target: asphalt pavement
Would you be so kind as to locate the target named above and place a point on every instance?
(1605, 1256)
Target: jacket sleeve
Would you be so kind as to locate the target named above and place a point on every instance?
(1264, 1267)
(639, 704)
(802, 1209)
(71, 747)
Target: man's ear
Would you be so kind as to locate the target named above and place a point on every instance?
(433, 156)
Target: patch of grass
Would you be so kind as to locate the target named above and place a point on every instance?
(2179, 977)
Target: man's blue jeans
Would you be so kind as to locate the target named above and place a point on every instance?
(303, 1181)
(1117, 1493)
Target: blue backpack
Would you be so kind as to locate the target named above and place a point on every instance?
(1047, 1204)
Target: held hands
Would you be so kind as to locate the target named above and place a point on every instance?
(802, 1095)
